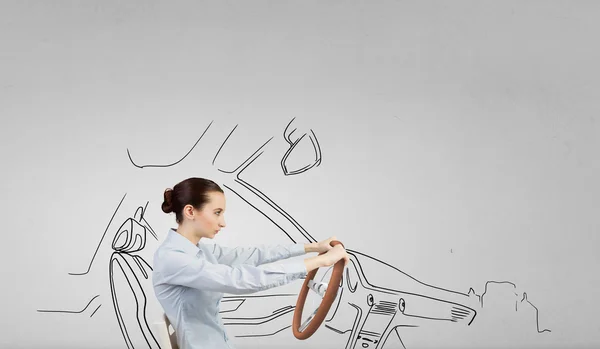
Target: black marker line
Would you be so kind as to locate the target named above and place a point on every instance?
(261, 296)
(429, 318)
(269, 317)
(261, 195)
(352, 289)
(255, 191)
(391, 266)
(456, 312)
(287, 154)
(261, 212)
(279, 210)
(115, 302)
(264, 335)
(96, 310)
(282, 309)
(399, 337)
(226, 139)
(136, 260)
(395, 292)
(144, 261)
(97, 248)
(129, 244)
(251, 156)
(337, 306)
(354, 331)
(70, 311)
(317, 146)
(140, 208)
(240, 182)
(537, 321)
(232, 310)
(458, 309)
(314, 141)
(141, 309)
(370, 333)
(288, 137)
(172, 164)
(144, 220)
(151, 230)
(363, 322)
(494, 282)
(472, 292)
(336, 330)
(385, 308)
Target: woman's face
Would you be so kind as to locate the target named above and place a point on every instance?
(211, 218)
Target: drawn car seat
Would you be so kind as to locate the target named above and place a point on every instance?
(129, 276)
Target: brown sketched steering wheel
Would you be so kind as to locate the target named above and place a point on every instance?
(310, 326)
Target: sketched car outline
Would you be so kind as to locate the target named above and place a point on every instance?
(374, 311)
(366, 310)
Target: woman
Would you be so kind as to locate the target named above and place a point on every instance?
(190, 277)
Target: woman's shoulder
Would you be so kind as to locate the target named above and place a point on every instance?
(166, 252)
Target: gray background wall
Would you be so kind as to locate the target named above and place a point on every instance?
(459, 143)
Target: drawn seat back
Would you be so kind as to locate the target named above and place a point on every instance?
(130, 275)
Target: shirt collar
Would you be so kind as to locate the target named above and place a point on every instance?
(179, 240)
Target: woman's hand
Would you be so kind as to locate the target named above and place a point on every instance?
(334, 254)
(324, 246)
(330, 256)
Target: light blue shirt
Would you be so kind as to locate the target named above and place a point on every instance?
(189, 281)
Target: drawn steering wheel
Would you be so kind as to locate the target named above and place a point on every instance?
(310, 326)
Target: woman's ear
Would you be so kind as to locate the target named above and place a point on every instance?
(189, 212)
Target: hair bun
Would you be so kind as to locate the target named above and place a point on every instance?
(167, 205)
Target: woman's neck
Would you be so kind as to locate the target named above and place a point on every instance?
(188, 234)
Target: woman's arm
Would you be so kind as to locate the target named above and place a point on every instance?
(261, 254)
(327, 259)
(314, 263)
(311, 247)
(174, 267)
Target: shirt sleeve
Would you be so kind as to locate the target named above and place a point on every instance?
(179, 268)
(257, 255)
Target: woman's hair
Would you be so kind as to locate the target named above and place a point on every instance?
(192, 191)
